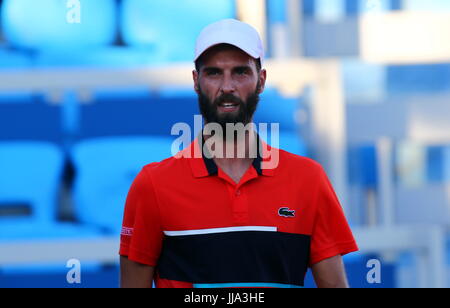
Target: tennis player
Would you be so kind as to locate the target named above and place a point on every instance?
(218, 220)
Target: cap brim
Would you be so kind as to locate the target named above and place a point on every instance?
(251, 53)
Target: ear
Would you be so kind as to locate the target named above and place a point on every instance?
(262, 80)
(195, 78)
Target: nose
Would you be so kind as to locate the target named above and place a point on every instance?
(228, 85)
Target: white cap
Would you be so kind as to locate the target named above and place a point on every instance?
(233, 32)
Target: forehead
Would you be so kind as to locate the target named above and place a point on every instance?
(227, 56)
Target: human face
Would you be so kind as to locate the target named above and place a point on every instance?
(228, 85)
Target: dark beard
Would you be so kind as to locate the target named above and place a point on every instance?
(209, 110)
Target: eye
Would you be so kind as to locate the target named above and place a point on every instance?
(212, 72)
(241, 70)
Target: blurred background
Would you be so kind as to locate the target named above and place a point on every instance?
(90, 89)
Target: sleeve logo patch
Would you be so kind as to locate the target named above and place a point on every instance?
(127, 231)
(286, 212)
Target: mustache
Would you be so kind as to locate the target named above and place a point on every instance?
(228, 98)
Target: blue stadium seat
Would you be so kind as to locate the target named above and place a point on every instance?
(44, 25)
(29, 185)
(135, 112)
(30, 174)
(29, 118)
(105, 169)
(152, 23)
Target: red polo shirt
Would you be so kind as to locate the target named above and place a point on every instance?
(199, 228)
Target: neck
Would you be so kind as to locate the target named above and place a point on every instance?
(233, 147)
(234, 157)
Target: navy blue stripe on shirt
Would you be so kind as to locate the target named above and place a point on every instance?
(236, 257)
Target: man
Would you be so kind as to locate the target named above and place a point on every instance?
(232, 221)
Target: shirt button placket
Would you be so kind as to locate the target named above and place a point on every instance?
(240, 208)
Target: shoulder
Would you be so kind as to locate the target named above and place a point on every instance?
(166, 169)
(162, 166)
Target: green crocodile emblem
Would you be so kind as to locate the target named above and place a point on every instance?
(286, 212)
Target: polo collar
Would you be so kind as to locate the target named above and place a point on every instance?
(203, 166)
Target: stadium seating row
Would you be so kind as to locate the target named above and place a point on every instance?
(120, 113)
(146, 27)
(105, 169)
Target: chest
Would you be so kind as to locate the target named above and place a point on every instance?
(217, 204)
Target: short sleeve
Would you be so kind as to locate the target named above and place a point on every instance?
(331, 233)
(141, 236)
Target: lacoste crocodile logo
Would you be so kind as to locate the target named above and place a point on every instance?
(286, 212)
